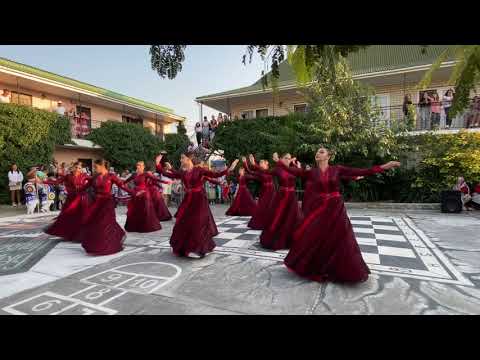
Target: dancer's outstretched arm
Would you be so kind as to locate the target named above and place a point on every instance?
(345, 171)
(171, 173)
(122, 185)
(59, 180)
(217, 174)
(296, 169)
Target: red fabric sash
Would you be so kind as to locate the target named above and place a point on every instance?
(326, 196)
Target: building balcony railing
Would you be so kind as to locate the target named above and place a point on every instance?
(426, 118)
(81, 127)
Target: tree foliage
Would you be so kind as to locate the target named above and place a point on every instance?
(340, 117)
(167, 60)
(124, 144)
(28, 137)
(176, 144)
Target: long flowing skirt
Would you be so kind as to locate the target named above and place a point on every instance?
(324, 246)
(71, 217)
(100, 234)
(258, 220)
(141, 214)
(243, 204)
(194, 227)
(163, 214)
(282, 220)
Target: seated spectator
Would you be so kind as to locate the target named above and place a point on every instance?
(465, 191)
(475, 201)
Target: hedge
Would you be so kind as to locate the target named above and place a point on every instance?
(28, 137)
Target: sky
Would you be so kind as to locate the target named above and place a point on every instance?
(126, 69)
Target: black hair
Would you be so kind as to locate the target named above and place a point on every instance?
(103, 162)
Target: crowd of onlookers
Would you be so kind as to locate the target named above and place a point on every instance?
(205, 131)
(435, 113)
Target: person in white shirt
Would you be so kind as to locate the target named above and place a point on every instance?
(60, 109)
(5, 97)
(15, 179)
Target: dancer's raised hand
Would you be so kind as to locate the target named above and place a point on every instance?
(158, 159)
(168, 166)
(251, 158)
(390, 165)
(244, 159)
(233, 165)
(275, 157)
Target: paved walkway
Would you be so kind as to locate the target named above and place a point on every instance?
(422, 262)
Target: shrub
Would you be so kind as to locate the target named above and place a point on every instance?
(125, 143)
(176, 144)
(28, 137)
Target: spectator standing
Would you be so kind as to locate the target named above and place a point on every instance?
(15, 179)
(424, 109)
(60, 109)
(213, 128)
(407, 111)
(205, 132)
(225, 117)
(5, 97)
(436, 108)
(198, 133)
(447, 104)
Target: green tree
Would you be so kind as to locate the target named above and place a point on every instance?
(167, 60)
(124, 144)
(28, 137)
(176, 144)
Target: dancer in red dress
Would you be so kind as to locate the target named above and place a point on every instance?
(155, 188)
(243, 204)
(193, 231)
(141, 214)
(75, 207)
(267, 192)
(283, 214)
(100, 233)
(324, 246)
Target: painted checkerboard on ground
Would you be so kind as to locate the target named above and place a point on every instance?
(389, 245)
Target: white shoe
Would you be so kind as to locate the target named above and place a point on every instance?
(14, 205)
(194, 255)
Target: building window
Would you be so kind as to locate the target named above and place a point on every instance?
(260, 113)
(382, 104)
(300, 108)
(21, 99)
(132, 120)
(247, 114)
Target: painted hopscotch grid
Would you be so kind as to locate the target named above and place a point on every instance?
(101, 289)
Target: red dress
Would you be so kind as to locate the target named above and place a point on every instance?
(324, 246)
(283, 214)
(243, 204)
(141, 214)
(156, 190)
(265, 198)
(194, 226)
(100, 233)
(75, 208)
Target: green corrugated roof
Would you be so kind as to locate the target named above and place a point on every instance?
(81, 85)
(372, 59)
